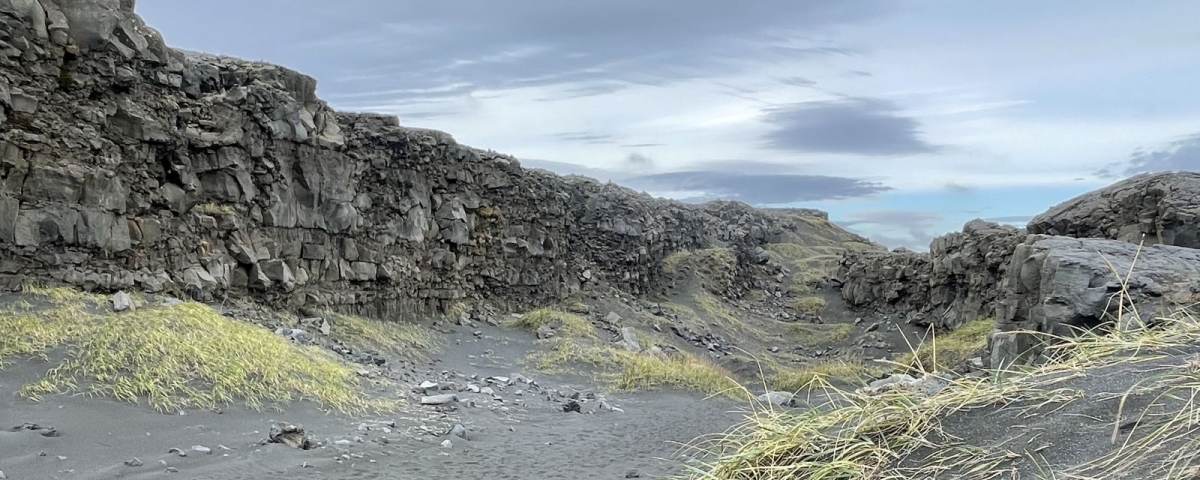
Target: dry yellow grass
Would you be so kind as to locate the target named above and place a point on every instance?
(820, 334)
(183, 356)
(623, 370)
(864, 434)
(943, 351)
(808, 305)
(408, 341)
(567, 323)
(797, 378)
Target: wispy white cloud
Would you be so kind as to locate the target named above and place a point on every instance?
(921, 97)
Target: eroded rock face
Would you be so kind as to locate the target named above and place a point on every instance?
(1057, 284)
(128, 165)
(956, 282)
(1161, 208)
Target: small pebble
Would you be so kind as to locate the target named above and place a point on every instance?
(202, 449)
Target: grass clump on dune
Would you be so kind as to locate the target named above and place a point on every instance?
(797, 378)
(898, 433)
(570, 324)
(407, 341)
(625, 370)
(944, 351)
(182, 356)
(671, 262)
(852, 435)
(820, 334)
(808, 305)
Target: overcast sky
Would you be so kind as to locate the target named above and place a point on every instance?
(903, 118)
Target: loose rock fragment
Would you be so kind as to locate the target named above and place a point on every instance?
(290, 435)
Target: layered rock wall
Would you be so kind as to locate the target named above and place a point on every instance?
(1057, 285)
(127, 164)
(955, 282)
(1160, 208)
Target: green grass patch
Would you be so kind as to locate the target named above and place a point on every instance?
(408, 341)
(942, 351)
(624, 370)
(567, 323)
(796, 378)
(820, 335)
(184, 356)
(808, 305)
(671, 262)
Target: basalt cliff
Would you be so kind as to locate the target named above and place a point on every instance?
(1122, 255)
(127, 164)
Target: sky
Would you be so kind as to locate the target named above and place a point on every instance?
(902, 118)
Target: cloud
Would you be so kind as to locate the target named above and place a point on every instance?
(906, 218)
(770, 184)
(564, 168)
(860, 126)
(638, 160)
(642, 145)
(590, 48)
(1182, 154)
(593, 138)
(798, 82)
(889, 226)
(758, 188)
(958, 187)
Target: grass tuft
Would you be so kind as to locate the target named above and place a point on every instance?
(897, 433)
(624, 370)
(820, 334)
(407, 341)
(182, 356)
(944, 351)
(569, 324)
(671, 262)
(808, 305)
(795, 379)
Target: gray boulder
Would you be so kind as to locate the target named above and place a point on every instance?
(778, 399)
(1058, 285)
(1161, 208)
(629, 340)
(439, 399)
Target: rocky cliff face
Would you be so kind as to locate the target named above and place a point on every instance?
(127, 164)
(1047, 281)
(1161, 208)
(956, 282)
(1058, 285)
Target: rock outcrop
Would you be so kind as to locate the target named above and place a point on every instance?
(1053, 280)
(126, 164)
(1056, 285)
(1160, 208)
(956, 282)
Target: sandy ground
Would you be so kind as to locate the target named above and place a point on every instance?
(521, 432)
